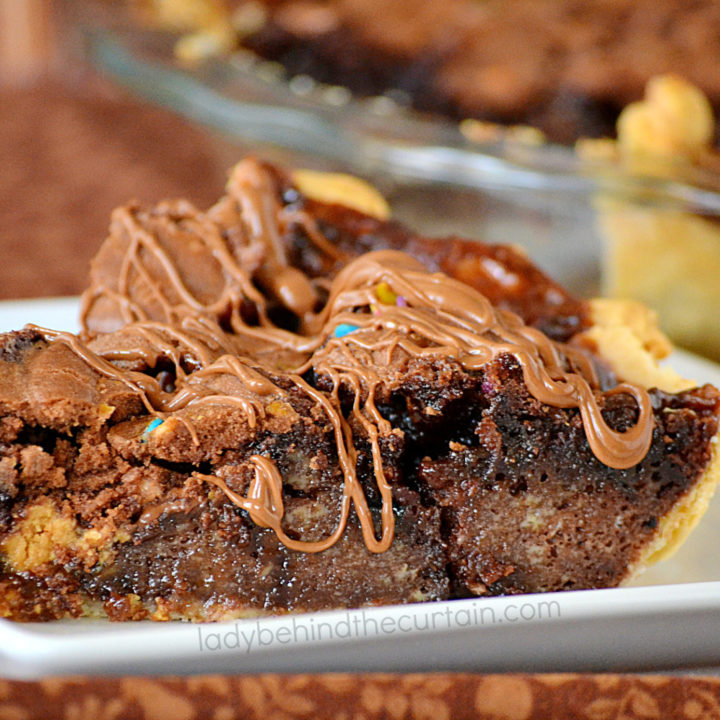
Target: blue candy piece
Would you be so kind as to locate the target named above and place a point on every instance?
(344, 329)
(156, 423)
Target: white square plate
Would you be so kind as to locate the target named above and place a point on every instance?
(670, 619)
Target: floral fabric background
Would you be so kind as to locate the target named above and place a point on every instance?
(364, 697)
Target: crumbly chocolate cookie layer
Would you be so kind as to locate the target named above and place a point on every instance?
(97, 514)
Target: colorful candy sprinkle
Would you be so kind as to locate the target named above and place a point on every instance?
(385, 294)
(344, 329)
(401, 301)
(154, 424)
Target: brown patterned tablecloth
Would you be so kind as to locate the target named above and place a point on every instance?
(365, 697)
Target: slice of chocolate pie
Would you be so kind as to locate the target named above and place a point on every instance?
(286, 404)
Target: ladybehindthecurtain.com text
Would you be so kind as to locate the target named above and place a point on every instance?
(248, 636)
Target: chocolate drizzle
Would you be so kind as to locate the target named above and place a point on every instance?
(230, 335)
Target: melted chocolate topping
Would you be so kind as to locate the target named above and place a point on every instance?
(381, 309)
